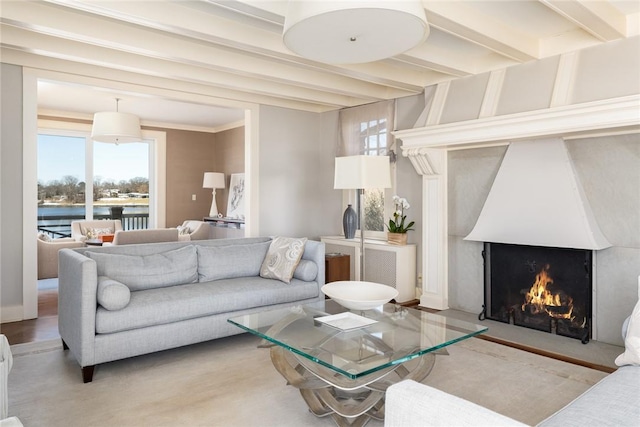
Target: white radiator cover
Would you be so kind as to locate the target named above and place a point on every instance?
(387, 264)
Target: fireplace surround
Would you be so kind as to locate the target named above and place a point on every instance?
(543, 288)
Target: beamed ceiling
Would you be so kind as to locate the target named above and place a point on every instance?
(230, 53)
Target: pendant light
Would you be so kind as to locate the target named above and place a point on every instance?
(353, 32)
(116, 127)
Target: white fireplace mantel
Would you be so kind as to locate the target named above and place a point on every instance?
(427, 148)
(617, 115)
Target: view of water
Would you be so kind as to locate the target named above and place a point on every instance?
(63, 225)
(79, 210)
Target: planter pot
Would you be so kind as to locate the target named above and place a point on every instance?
(397, 238)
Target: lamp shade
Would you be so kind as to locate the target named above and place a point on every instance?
(213, 180)
(362, 172)
(352, 32)
(116, 127)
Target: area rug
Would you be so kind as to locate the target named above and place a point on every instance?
(231, 382)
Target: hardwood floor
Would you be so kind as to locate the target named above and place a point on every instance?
(45, 327)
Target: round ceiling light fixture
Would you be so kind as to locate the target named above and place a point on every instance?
(116, 127)
(353, 32)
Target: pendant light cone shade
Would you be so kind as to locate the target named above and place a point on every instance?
(353, 32)
(362, 172)
(213, 180)
(116, 128)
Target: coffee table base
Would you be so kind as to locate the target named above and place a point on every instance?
(351, 403)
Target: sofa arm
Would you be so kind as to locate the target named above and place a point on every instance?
(410, 403)
(77, 304)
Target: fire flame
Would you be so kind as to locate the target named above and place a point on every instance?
(539, 299)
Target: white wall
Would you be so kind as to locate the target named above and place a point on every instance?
(297, 151)
(11, 192)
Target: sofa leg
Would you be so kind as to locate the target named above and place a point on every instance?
(64, 345)
(87, 373)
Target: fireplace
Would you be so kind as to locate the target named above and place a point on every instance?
(543, 288)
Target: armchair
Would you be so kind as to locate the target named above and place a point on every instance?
(196, 230)
(79, 228)
(48, 255)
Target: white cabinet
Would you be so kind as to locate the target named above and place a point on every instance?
(384, 263)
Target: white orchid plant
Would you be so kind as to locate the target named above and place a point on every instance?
(396, 224)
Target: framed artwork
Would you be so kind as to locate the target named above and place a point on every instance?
(235, 204)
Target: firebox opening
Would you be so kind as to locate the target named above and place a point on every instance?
(547, 289)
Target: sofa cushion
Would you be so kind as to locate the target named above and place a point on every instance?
(282, 258)
(139, 272)
(631, 355)
(227, 262)
(306, 270)
(176, 303)
(112, 295)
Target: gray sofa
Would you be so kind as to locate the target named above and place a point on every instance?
(614, 401)
(122, 301)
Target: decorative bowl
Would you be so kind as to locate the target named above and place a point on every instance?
(359, 295)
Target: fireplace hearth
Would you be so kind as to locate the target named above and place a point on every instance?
(543, 288)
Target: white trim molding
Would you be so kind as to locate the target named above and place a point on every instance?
(569, 120)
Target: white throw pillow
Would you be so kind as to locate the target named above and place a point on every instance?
(631, 355)
(282, 258)
(44, 237)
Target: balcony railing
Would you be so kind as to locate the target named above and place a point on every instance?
(60, 225)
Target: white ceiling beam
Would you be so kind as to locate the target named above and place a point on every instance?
(161, 45)
(62, 70)
(468, 23)
(599, 18)
(178, 18)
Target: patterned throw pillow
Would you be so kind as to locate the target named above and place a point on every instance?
(100, 231)
(282, 258)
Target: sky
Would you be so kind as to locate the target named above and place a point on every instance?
(59, 156)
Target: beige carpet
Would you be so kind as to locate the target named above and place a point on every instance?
(230, 382)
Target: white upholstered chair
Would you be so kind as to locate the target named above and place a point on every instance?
(6, 361)
(48, 255)
(196, 230)
(79, 228)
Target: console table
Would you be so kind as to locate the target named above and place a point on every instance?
(225, 227)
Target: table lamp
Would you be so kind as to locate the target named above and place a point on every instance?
(362, 173)
(213, 180)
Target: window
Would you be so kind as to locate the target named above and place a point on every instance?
(79, 178)
(366, 130)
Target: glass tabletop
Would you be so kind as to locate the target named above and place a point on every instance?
(356, 343)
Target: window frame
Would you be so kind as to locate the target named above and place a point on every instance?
(354, 198)
(157, 165)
